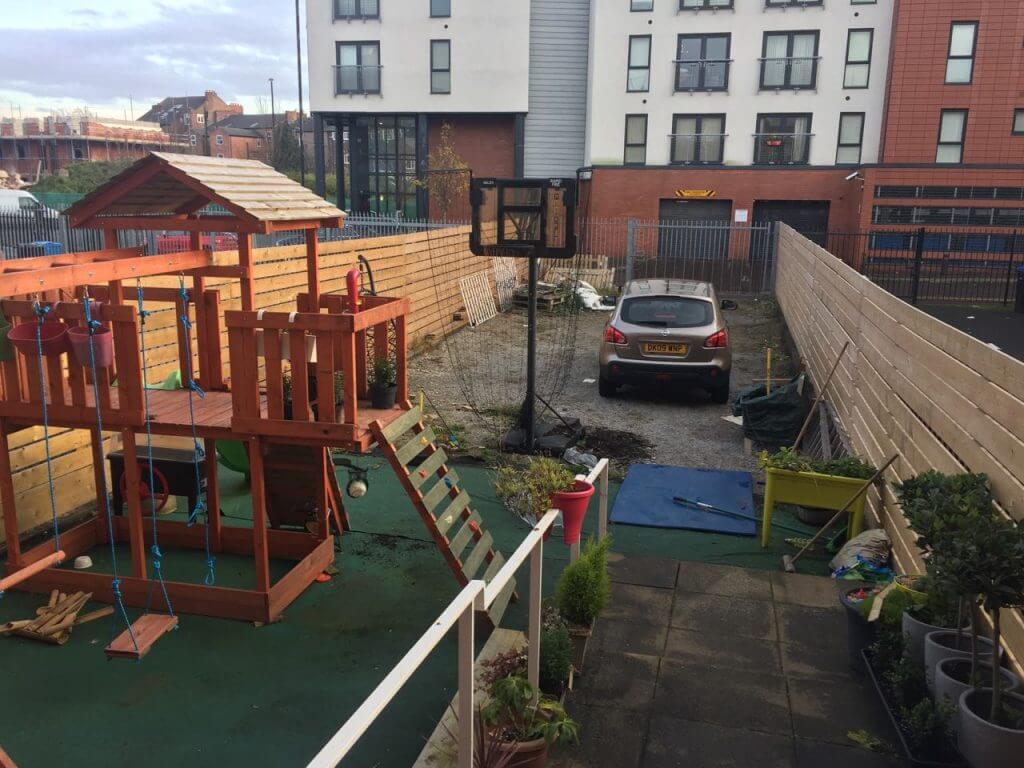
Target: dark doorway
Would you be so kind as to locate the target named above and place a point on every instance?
(692, 233)
(808, 217)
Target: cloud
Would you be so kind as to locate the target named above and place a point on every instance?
(183, 49)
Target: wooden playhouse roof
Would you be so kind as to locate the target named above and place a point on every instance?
(164, 189)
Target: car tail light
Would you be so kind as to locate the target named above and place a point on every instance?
(719, 340)
(614, 335)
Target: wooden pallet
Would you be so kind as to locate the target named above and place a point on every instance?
(445, 508)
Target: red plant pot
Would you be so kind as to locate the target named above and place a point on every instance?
(574, 505)
(102, 346)
(54, 335)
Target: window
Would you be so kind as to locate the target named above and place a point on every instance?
(636, 140)
(440, 66)
(699, 5)
(697, 138)
(638, 77)
(259, 143)
(220, 154)
(702, 62)
(1018, 122)
(440, 8)
(863, 2)
(791, 3)
(668, 312)
(947, 216)
(851, 137)
(356, 9)
(219, 140)
(641, 5)
(783, 139)
(951, 193)
(963, 36)
(78, 153)
(358, 68)
(200, 119)
(789, 60)
(858, 58)
(952, 128)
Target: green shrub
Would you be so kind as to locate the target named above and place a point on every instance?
(528, 492)
(555, 652)
(844, 466)
(926, 723)
(383, 374)
(584, 586)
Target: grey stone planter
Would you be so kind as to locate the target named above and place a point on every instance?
(948, 644)
(982, 743)
(948, 675)
(915, 632)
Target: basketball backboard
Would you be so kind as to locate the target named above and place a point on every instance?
(523, 217)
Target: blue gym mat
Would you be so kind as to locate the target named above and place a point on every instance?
(645, 498)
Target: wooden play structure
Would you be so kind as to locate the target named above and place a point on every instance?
(77, 324)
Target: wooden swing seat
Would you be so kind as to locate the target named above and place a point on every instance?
(146, 630)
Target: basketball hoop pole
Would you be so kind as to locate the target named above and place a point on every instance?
(529, 404)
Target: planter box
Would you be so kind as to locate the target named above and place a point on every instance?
(809, 489)
(908, 756)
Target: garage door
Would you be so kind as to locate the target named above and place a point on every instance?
(691, 232)
(808, 217)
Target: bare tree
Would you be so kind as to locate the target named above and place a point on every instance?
(447, 181)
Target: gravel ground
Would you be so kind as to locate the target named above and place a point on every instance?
(667, 427)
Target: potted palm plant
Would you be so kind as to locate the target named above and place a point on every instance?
(383, 383)
(524, 723)
(582, 592)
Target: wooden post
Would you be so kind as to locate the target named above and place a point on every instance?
(198, 290)
(324, 502)
(7, 499)
(467, 715)
(99, 477)
(602, 502)
(213, 375)
(312, 270)
(245, 262)
(212, 494)
(261, 554)
(401, 358)
(134, 501)
(534, 608)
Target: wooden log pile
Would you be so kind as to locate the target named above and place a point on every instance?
(55, 620)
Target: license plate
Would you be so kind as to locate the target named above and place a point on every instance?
(652, 348)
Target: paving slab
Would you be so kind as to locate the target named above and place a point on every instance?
(687, 744)
(643, 571)
(735, 698)
(816, 754)
(827, 711)
(815, 627)
(621, 636)
(633, 603)
(609, 736)
(625, 680)
(730, 651)
(803, 660)
(802, 589)
(720, 616)
(726, 580)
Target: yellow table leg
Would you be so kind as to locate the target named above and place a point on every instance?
(769, 505)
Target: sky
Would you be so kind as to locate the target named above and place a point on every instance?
(118, 57)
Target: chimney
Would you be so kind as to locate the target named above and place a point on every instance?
(291, 115)
(211, 94)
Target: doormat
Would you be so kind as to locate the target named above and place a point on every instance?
(645, 498)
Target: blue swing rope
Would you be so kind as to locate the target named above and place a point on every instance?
(194, 389)
(115, 584)
(155, 548)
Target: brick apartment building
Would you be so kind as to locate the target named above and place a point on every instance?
(251, 137)
(186, 119)
(40, 146)
(846, 115)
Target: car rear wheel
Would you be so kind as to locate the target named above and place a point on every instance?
(720, 393)
(605, 388)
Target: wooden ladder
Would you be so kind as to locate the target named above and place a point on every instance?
(443, 505)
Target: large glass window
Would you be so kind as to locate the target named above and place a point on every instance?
(698, 138)
(1018, 122)
(635, 151)
(858, 58)
(638, 78)
(641, 5)
(782, 139)
(358, 68)
(963, 36)
(789, 60)
(952, 131)
(702, 62)
(851, 138)
(390, 181)
(440, 8)
(356, 9)
(440, 66)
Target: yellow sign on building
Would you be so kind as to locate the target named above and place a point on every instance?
(690, 193)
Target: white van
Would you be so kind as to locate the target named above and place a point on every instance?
(18, 200)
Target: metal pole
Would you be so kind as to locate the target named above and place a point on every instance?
(915, 284)
(1009, 267)
(630, 249)
(529, 405)
(298, 60)
(273, 120)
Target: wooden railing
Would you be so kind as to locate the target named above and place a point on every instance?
(70, 393)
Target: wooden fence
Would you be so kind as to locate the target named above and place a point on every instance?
(909, 384)
(425, 267)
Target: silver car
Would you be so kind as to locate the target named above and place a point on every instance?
(668, 332)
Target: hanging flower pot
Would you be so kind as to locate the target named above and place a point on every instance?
(102, 346)
(574, 505)
(54, 334)
(6, 348)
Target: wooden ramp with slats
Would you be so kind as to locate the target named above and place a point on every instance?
(455, 526)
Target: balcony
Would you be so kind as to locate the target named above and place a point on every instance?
(355, 79)
(702, 75)
(796, 72)
(697, 148)
(782, 148)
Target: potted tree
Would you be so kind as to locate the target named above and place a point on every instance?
(555, 654)
(383, 383)
(582, 592)
(524, 723)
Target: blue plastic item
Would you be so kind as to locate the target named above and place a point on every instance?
(645, 498)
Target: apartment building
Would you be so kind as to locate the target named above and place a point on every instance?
(731, 110)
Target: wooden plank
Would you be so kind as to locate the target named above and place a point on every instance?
(416, 444)
(445, 486)
(402, 424)
(465, 533)
(476, 556)
(497, 610)
(145, 631)
(453, 512)
(419, 475)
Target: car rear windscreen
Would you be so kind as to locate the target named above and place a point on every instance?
(667, 312)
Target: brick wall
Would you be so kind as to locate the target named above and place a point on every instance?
(484, 142)
(917, 90)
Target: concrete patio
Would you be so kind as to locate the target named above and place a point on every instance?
(703, 665)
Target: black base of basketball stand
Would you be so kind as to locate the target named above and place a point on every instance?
(550, 437)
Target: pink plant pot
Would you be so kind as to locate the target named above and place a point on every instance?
(54, 335)
(574, 505)
(102, 344)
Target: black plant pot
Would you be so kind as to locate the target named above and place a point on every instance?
(383, 397)
(860, 633)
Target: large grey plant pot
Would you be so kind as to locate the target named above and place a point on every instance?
(943, 645)
(982, 743)
(950, 688)
(915, 632)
